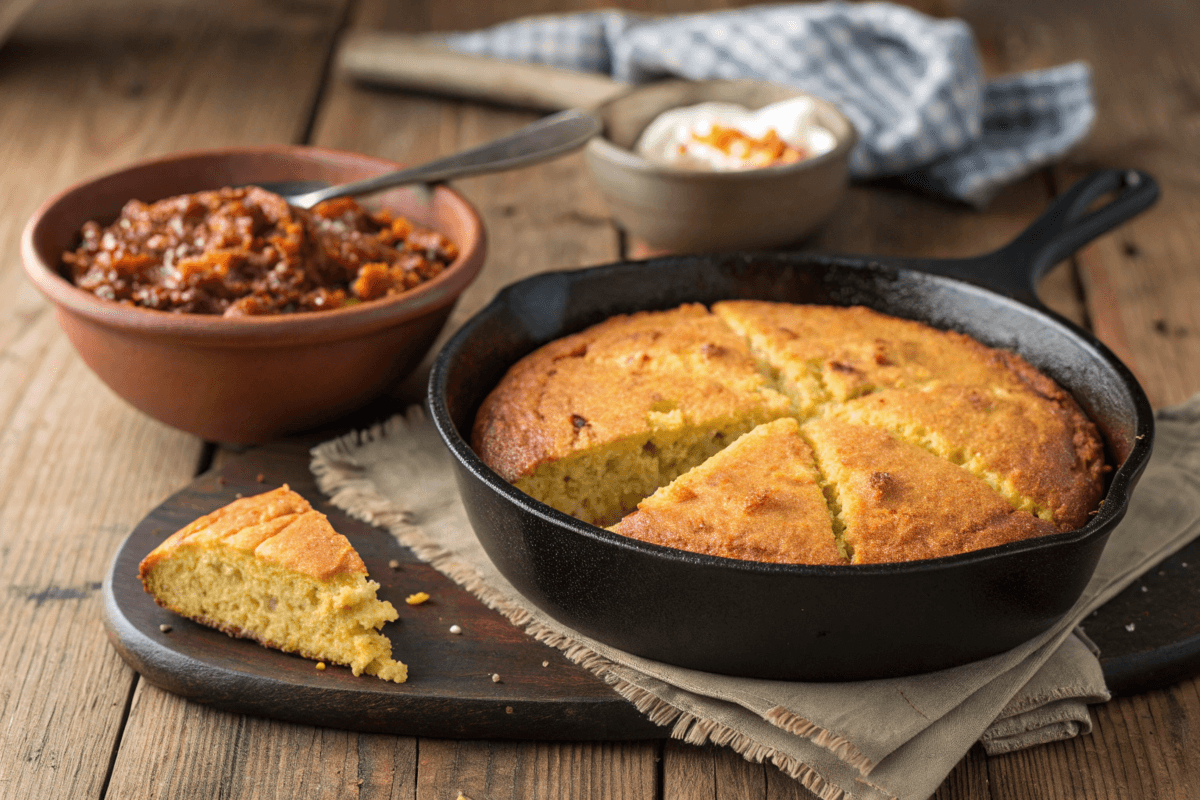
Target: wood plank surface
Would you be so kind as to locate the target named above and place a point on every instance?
(87, 86)
(84, 91)
(536, 770)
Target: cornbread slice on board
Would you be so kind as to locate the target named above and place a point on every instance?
(1045, 457)
(594, 422)
(272, 569)
(759, 499)
(827, 353)
(894, 501)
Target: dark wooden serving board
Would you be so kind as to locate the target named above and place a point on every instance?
(450, 692)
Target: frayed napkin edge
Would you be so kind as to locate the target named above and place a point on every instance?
(334, 465)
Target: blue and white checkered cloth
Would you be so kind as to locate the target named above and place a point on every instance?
(912, 85)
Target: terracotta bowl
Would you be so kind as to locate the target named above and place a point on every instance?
(695, 211)
(250, 379)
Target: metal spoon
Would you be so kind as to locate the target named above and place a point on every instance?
(544, 139)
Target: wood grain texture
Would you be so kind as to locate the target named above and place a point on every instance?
(530, 771)
(416, 64)
(86, 90)
(231, 755)
(159, 76)
(538, 218)
(1141, 281)
(714, 773)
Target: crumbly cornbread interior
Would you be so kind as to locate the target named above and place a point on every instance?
(592, 423)
(901, 441)
(272, 569)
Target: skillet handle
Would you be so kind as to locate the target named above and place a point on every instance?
(1064, 227)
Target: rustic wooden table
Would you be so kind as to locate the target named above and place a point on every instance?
(88, 86)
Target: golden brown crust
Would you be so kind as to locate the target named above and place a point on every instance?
(1040, 451)
(840, 353)
(996, 442)
(898, 502)
(606, 383)
(758, 500)
(277, 526)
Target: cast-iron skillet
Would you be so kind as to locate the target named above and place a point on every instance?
(804, 622)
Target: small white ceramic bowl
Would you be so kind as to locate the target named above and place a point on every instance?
(691, 211)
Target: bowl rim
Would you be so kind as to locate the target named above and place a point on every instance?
(292, 327)
(603, 148)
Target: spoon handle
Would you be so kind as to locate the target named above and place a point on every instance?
(544, 139)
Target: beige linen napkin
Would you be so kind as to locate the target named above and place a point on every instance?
(894, 738)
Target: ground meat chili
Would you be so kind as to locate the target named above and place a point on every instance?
(241, 252)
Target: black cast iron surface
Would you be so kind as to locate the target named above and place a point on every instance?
(797, 621)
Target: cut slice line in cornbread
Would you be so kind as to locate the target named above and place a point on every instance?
(272, 569)
(1046, 458)
(898, 502)
(594, 422)
(824, 354)
(758, 500)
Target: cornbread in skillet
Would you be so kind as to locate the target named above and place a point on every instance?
(894, 501)
(923, 443)
(824, 354)
(1034, 448)
(272, 569)
(758, 499)
(594, 422)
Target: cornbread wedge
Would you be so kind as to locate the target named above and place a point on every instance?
(758, 499)
(272, 569)
(894, 501)
(1044, 457)
(826, 354)
(594, 422)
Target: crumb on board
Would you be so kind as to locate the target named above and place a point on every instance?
(260, 478)
(1130, 627)
(508, 709)
(455, 629)
(394, 564)
(238, 495)
(417, 598)
(495, 677)
(165, 628)
(545, 663)
(321, 665)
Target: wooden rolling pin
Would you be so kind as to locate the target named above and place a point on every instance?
(424, 64)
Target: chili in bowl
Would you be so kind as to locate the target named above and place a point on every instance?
(357, 304)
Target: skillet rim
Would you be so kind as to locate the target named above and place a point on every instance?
(1120, 486)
